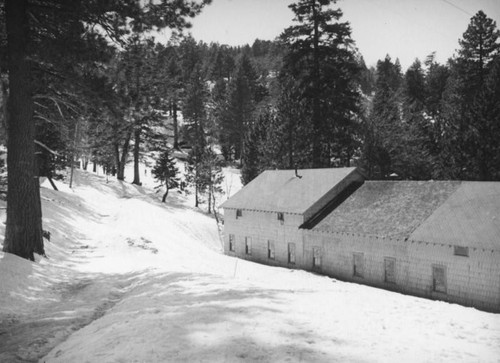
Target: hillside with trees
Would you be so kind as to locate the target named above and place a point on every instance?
(88, 81)
(121, 135)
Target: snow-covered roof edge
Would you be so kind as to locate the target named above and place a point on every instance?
(304, 191)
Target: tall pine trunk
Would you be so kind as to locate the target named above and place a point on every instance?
(4, 95)
(23, 233)
(316, 121)
(121, 160)
(176, 125)
(210, 189)
(166, 192)
(137, 146)
(291, 127)
(196, 182)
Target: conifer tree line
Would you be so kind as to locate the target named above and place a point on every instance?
(432, 121)
(86, 80)
(73, 78)
(438, 121)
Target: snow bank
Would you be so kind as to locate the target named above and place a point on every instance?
(130, 279)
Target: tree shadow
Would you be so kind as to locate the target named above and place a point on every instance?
(27, 338)
(196, 317)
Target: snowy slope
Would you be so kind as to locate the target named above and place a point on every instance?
(129, 279)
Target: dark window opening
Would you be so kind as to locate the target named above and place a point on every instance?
(316, 257)
(291, 253)
(390, 270)
(439, 279)
(281, 217)
(270, 250)
(461, 251)
(358, 265)
(248, 245)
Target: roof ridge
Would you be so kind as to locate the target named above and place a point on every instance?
(281, 190)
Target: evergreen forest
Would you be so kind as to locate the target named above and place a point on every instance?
(87, 80)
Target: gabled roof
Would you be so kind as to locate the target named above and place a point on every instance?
(388, 208)
(283, 191)
(469, 217)
(445, 212)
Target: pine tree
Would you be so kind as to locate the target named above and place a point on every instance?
(140, 88)
(485, 111)
(195, 117)
(479, 47)
(60, 30)
(219, 68)
(217, 106)
(382, 128)
(289, 135)
(467, 136)
(23, 234)
(366, 77)
(453, 157)
(166, 172)
(218, 113)
(239, 109)
(253, 157)
(211, 177)
(174, 91)
(414, 160)
(321, 60)
(435, 85)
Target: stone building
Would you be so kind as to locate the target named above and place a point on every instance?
(435, 239)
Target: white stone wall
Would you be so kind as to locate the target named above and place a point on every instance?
(261, 227)
(472, 281)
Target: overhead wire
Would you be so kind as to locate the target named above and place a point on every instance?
(457, 7)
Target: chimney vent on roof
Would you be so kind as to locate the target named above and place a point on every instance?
(297, 173)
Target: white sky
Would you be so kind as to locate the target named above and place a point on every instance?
(404, 29)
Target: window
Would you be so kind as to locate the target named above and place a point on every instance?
(270, 250)
(390, 270)
(239, 213)
(439, 279)
(281, 217)
(316, 257)
(461, 251)
(358, 265)
(248, 245)
(231, 243)
(291, 253)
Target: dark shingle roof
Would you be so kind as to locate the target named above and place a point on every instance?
(388, 208)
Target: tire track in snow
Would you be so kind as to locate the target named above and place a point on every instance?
(28, 338)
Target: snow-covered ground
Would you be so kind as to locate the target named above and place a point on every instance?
(129, 279)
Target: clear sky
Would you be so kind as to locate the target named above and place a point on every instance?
(404, 29)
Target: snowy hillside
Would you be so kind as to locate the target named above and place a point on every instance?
(129, 279)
